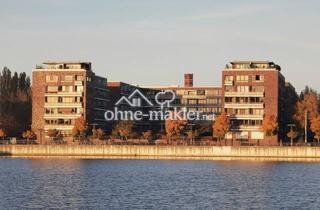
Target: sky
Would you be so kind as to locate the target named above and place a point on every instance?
(149, 42)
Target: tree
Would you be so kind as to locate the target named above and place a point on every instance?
(308, 103)
(94, 133)
(169, 126)
(174, 127)
(315, 127)
(221, 126)
(292, 135)
(192, 135)
(270, 125)
(75, 132)
(124, 128)
(100, 133)
(147, 135)
(29, 134)
(15, 103)
(80, 127)
(114, 133)
(3, 133)
(53, 133)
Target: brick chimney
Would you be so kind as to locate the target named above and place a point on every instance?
(188, 80)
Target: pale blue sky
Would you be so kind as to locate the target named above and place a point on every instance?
(150, 42)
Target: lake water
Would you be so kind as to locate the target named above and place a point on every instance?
(157, 184)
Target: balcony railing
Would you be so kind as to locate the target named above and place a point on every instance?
(246, 128)
(244, 94)
(63, 105)
(62, 116)
(59, 93)
(228, 82)
(247, 105)
(246, 116)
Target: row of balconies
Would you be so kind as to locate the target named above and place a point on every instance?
(63, 105)
(62, 115)
(246, 105)
(246, 128)
(244, 94)
(246, 116)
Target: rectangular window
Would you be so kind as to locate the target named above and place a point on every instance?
(52, 78)
(229, 88)
(67, 78)
(192, 101)
(257, 88)
(192, 92)
(79, 77)
(229, 78)
(242, 89)
(51, 89)
(67, 99)
(200, 92)
(258, 78)
(242, 78)
(78, 88)
(50, 99)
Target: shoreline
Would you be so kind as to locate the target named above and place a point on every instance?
(152, 152)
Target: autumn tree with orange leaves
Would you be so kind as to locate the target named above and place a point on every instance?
(309, 103)
(221, 126)
(124, 128)
(80, 127)
(315, 128)
(174, 127)
(270, 125)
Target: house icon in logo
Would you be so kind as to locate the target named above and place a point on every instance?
(134, 99)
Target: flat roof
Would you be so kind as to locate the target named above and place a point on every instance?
(250, 62)
(66, 62)
(181, 87)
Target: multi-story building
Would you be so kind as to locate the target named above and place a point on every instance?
(63, 91)
(252, 90)
(204, 99)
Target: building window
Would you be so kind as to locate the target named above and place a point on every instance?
(200, 92)
(67, 78)
(242, 88)
(51, 89)
(242, 78)
(257, 88)
(49, 99)
(52, 78)
(78, 88)
(192, 92)
(192, 101)
(67, 99)
(258, 78)
(229, 78)
(79, 78)
(229, 88)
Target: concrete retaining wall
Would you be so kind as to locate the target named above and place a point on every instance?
(161, 152)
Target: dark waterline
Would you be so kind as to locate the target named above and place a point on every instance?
(157, 184)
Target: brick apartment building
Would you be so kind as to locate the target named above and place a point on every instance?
(252, 90)
(64, 91)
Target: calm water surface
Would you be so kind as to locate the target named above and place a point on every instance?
(156, 184)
